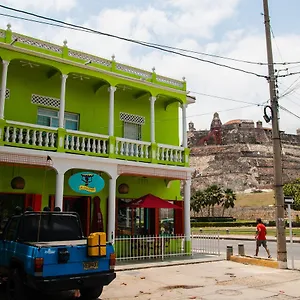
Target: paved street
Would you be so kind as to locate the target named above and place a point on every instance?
(214, 280)
(250, 248)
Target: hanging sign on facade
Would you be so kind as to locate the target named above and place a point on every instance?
(86, 183)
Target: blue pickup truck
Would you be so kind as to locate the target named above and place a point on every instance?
(47, 252)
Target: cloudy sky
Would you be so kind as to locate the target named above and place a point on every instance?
(230, 28)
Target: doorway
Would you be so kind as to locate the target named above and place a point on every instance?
(8, 203)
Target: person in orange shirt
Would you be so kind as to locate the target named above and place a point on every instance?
(260, 237)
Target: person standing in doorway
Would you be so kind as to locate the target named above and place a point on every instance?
(260, 237)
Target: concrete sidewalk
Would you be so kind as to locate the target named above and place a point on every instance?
(206, 281)
(143, 264)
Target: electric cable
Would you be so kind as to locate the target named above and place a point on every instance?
(134, 41)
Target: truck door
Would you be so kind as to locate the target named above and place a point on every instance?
(9, 241)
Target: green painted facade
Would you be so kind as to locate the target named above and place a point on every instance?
(40, 181)
(89, 98)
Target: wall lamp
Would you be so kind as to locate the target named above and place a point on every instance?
(266, 117)
(88, 62)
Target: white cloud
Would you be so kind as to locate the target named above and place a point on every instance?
(41, 6)
(185, 24)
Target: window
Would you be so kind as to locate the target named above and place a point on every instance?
(50, 117)
(132, 131)
(11, 230)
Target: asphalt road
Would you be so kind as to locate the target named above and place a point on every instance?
(250, 248)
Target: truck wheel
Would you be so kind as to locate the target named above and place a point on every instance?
(15, 288)
(91, 293)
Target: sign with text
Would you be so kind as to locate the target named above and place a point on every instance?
(86, 183)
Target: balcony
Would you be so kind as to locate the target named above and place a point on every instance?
(31, 136)
(45, 49)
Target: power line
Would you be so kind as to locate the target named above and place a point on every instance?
(223, 98)
(145, 44)
(288, 111)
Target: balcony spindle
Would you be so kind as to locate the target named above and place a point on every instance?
(88, 146)
(52, 140)
(126, 148)
(40, 140)
(7, 134)
(47, 139)
(67, 142)
(98, 149)
(104, 148)
(14, 136)
(20, 137)
(27, 138)
(131, 149)
(34, 137)
(82, 144)
(77, 143)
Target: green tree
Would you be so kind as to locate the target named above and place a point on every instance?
(293, 190)
(228, 200)
(198, 202)
(214, 197)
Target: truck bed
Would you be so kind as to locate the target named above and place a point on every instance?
(58, 243)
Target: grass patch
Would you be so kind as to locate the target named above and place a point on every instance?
(254, 199)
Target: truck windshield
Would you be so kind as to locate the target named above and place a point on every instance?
(49, 228)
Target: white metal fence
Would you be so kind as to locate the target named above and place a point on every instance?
(164, 247)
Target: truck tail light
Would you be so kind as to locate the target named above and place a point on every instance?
(38, 265)
(112, 261)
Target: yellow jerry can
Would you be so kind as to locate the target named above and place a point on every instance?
(96, 244)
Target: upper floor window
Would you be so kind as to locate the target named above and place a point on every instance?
(132, 126)
(132, 131)
(50, 117)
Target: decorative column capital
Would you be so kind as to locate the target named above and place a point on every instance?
(64, 76)
(184, 105)
(152, 99)
(5, 62)
(112, 89)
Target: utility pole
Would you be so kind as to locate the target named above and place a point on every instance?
(277, 155)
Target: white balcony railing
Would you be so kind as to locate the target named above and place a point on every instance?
(169, 153)
(132, 148)
(29, 135)
(77, 141)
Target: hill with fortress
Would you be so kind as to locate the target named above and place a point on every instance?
(239, 155)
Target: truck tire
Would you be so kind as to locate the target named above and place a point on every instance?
(15, 288)
(91, 293)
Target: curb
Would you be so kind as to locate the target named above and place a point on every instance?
(255, 261)
(165, 264)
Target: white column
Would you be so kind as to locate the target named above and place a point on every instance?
(184, 131)
(111, 211)
(152, 118)
(5, 64)
(187, 213)
(59, 190)
(62, 100)
(111, 124)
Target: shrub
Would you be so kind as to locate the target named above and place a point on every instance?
(223, 224)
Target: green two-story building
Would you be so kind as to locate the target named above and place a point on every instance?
(63, 112)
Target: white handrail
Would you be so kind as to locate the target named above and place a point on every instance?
(95, 135)
(31, 125)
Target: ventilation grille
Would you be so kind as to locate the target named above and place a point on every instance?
(134, 119)
(44, 100)
(7, 93)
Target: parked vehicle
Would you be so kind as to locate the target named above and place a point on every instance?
(47, 252)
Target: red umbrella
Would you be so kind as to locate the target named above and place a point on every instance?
(151, 201)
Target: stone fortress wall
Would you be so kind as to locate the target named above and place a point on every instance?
(239, 155)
